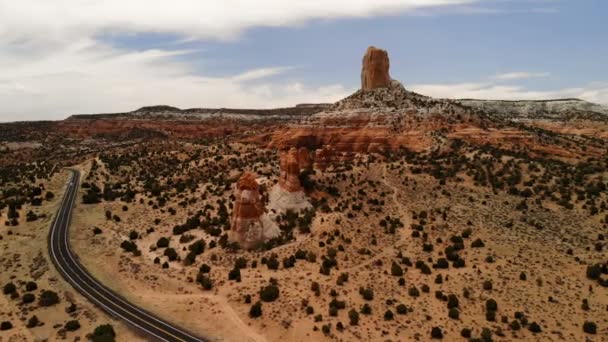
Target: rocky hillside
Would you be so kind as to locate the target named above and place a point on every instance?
(560, 110)
(163, 112)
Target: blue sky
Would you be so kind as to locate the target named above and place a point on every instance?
(210, 55)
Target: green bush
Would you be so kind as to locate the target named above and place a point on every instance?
(396, 270)
(28, 298)
(162, 242)
(436, 333)
(491, 305)
(478, 243)
(353, 315)
(401, 309)
(269, 293)
(256, 310)
(453, 313)
(367, 294)
(48, 298)
(103, 333)
(9, 288)
(32, 322)
(590, 327)
(534, 327)
(72, 325)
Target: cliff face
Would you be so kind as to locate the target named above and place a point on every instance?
(384, 117)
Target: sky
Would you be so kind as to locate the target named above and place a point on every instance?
(64, 57)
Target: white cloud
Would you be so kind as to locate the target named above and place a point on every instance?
(59, 20)
(516, 75)
(594, 92)
(53, 65)
(94, 78)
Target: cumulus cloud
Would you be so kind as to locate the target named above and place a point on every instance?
(517, 75)
(53, 64)
(61, 20)
(593, 92)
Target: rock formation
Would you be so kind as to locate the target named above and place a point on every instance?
(289, 177)
(304, 160)
(250, 226)
(323, 157)
(374, 72)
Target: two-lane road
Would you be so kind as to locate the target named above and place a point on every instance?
(74, 273)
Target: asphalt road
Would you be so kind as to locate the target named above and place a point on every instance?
(66, 262)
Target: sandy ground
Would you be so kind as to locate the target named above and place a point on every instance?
(24, 258)
(551, 296)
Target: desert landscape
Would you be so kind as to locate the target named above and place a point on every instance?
(386, 216)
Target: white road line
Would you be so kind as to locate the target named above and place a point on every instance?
(70, 207)
(61, 214)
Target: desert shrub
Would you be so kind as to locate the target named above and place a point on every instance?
(366, 293)
(97, 231)
(396, 270)
(413, 292)
(487, 285)
(478, 243)
(256, 310)
(401, 309)
(48, 298)
(171, 254)
(366, 309)
(205, 281)
(491, 315)
(590, 327)
(491, 305)
(388, 315)
(353, 316)
(486, 335)
(534, 327)
(32, 322)
(72, 325)
(452, 301)
(162, 242)
(272, 264)
(594, 271)
(522, 276)
(436, 333)
(28, 298)
(442, 263)
(465, 332)
(9, 288)
(103, 333)
(514, 325)
(235, 274)
(269, 293)
(453, 313)
(133, 235)
(6, 325)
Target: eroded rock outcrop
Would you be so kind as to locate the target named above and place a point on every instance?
(374, 71)
(289, 176)
(250, 226)
(323, 157)
(304, 160)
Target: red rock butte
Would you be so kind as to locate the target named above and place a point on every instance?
(374, 71)
(289, 178)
